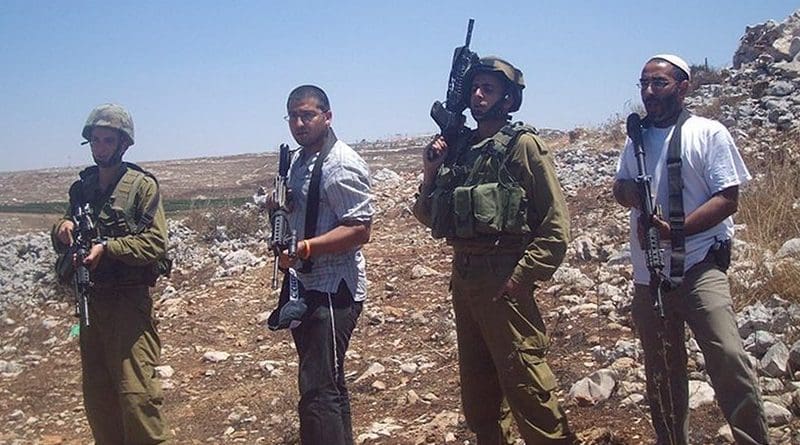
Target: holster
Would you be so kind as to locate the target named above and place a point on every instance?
(720, 254)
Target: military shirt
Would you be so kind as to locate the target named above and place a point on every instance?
(124, 249)
(531, 164)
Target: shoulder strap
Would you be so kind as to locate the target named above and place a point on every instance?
(126, 193)
(312, 202)
(510, 132)
(676, 214)
(503, 140)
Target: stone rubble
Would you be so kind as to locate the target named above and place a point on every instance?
(756, 98)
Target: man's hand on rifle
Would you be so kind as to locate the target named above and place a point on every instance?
(95, 254)
(664, 231)
(64, 232)
(430, 164)
(286, 261)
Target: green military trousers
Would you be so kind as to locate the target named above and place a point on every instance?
(703, 302)
(501, 348)
(119, 352)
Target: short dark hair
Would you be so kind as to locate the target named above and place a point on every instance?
(679, 74)
(306, 91)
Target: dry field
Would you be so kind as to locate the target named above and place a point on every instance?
(406, 320)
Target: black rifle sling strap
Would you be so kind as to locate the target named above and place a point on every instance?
(312, 202)
(676, 215)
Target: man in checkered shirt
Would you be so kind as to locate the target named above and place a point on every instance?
(329, 262)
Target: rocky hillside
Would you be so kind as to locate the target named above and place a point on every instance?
(229, 380)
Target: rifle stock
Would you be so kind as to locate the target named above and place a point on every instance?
(652, 240)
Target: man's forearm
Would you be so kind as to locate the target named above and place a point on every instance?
(625, 193)
(341, 238)
(713, 211)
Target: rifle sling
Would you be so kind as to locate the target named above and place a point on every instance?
(676, 215)
(312, 203)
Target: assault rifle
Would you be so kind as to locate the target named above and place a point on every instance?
(282, 236)
(449, 117)
(83, 234)
(652, 240)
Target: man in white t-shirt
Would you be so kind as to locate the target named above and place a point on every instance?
(711, 172)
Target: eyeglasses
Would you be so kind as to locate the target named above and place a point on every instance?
(304, 116)
(655, 84)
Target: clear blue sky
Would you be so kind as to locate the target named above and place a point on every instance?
(210, 78)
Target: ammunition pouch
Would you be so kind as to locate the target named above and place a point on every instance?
(490, 209)
(442, 217)
(476, 196)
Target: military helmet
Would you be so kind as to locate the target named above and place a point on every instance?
(111, 116)
(493, 64)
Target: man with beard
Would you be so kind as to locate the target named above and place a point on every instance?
(332, 216)
(120, 347)
(494, 195)
(698, 189)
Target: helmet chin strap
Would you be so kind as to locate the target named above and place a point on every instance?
(115, 159)
(495, 112)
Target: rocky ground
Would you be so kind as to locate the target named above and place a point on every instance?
(228, 379)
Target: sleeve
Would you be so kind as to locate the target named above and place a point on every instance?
(149, 245)
(349, 193)
(724, 166)
(624, 167)
(422, 206)
(58, 246)
(548, 214)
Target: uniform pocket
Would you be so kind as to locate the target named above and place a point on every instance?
(542, 379)
(442, 221)
(462, 208)
(515, 218)
(487, 202)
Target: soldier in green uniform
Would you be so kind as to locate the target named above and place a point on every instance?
(495, 197)
(120, 348)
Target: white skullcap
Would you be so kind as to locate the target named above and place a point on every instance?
(675, 60)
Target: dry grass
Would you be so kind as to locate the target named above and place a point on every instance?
(769, 206)
(770, 209)
(613, 130)
(705, 75)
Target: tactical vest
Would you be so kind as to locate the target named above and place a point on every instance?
(475, 196)
(115, 216)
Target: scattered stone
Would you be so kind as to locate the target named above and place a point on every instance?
(776, 415)
(700, 393)
(593, 389)
(215, 356)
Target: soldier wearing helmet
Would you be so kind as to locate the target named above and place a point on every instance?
(495, 197)
(508, 75)
(120, 346)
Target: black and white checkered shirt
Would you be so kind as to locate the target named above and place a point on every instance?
(344, 198)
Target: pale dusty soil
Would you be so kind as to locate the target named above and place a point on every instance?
(405, 320)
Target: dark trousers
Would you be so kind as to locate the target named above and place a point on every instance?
(321, 341)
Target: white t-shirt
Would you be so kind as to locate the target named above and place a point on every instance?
(711, 163)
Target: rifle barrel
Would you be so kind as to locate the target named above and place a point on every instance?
(469, 32)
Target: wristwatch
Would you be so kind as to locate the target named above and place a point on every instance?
(104, 243)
